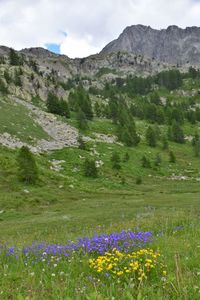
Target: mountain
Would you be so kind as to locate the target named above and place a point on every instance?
(173, 45)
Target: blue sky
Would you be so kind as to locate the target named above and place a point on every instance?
(53, 48)
(79, 28)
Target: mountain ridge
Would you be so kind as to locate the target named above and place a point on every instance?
(170, 45)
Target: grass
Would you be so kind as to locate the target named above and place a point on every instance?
(84, 215)
(65, 205)
(19, 122)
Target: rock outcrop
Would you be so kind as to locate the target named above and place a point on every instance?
(173, 45)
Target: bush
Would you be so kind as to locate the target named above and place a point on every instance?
(126, 157)
(90, 169)
(146, 162)
(81, 143)
(138, 180)
(115, 159)
(172, 158)
(158, 160)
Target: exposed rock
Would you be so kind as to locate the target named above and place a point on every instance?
(173, 45)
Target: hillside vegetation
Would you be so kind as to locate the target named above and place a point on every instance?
(132, 170)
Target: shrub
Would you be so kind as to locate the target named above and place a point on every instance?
(115, 159)
(27, 167)
(90, 169)
(172, 158)
(138, 180)
(146, 162)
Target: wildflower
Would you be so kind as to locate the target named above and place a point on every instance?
(164, 273)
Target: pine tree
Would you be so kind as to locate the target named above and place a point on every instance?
(64, 108)
(115, 159)
(15, 59)
(81, 120)
(146, 162)
(81, 143)
(3, 88)
(126, 157)
(177, 133)
(172, 157)
(196, 145)
(165, 144)
(158, 160)
(7, 77)
(151, 137)
(90, 169)
(27, 168)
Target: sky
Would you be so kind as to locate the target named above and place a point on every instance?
(79, 28)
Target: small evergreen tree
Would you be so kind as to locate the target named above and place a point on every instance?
(151, 137)
(146, 162)
(64, 108)
(15, 58)
(28, 171)
(90, 169)
(7, 77)
(115, 159)
(81, 143)
(196, 145)
(97, 109)
(81, 120)
(17, 78)
(172, 157)
(158, 160)
(126, 157)
(165, 144)
(3, 88)
(177, 133)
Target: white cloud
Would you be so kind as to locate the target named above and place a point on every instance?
(78, 47)
(89, 24)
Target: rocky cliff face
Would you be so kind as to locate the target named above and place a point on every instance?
(173, 45)
(43, 71)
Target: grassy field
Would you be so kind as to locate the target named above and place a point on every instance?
(66, 205)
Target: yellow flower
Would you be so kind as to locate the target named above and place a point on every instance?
(99, 269)
(120, 273)
(109, 267)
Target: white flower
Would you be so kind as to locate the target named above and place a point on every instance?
(53, 275)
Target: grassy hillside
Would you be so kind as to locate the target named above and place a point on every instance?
(64, 204)
(16, 120)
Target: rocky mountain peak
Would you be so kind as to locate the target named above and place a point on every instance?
(173, 45)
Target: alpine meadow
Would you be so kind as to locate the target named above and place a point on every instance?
(100, 170)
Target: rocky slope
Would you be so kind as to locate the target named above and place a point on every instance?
(173, 45)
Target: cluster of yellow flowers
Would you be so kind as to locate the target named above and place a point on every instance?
(138, 265)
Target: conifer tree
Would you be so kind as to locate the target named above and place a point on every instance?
(15, 59)
(81, 120)
(115, 159)
(90, 169)
(172, 157)
(177, 133)
(27, 168)
(151, 137)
